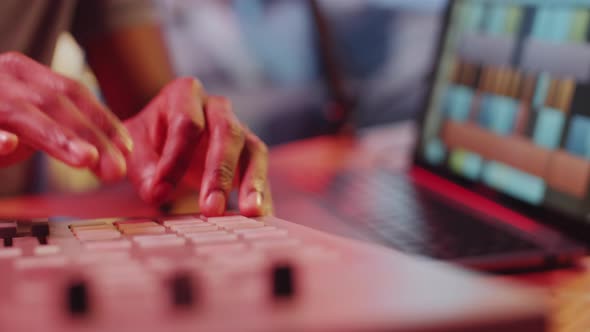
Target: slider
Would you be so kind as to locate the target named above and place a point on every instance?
(77, 298)
(182, 290)
(40, 230)
(8, 232)
(283, 282)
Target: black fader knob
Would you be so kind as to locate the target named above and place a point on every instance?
(182, 290)
(40, 230)
(283, 281)
(8, 230)
(77, 299)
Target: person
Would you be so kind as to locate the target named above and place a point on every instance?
(157, 129)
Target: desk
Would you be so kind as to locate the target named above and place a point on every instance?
(324, 156)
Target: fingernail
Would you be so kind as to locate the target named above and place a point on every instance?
(215, 203)
(85, 153)
(126, 139)
(121, 165)
(254, 199)
(8, 142)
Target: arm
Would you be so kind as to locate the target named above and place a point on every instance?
(181, 134)
(131, 65)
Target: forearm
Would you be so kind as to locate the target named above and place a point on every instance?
(131, 66)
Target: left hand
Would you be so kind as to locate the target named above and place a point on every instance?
(184, 135)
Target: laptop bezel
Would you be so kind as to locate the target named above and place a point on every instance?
(558, 220)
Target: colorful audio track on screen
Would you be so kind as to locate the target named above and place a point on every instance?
(512, 100)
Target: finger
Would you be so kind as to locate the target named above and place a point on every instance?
(8, 143)
(111, 165)
(36, 129)
(253, 197)
(225, 147)
(176, 156)
(28, 71)
(142, 164)
(183, 106)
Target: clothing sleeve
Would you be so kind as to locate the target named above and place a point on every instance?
(96, 17)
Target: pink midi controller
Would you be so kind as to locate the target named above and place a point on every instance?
(190, 273)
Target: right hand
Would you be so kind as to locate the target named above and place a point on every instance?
(42, 110)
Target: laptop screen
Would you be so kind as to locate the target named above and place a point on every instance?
(510, 106)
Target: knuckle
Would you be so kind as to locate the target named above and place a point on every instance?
(189, 83)
(57, 138)
(183, 124)
(70, 87)
(223, 176)
(8, 109)
(49, 100)
(260, 147)
(233, 131)
(12, 58)
(221, 101)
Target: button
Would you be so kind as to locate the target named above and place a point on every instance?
(275, 244)
(7, 232)
(161, 243)
(181, 227)
(108, 245)
(271, 234)
(254, 230)
(41, 262)
(104, 226)
(46, 250)
(129, 222)
(214, 249)
(10, 252)
(98, 235)
(242, 224)
(77, 301)
(197, 229)
(179, 218)
(182, 291)
(90, 231)
(144, 230)
(217, 220)
(25, 243)
(170, 223)
(40, 230)
(283, 281)
(98, 257)
(146, 238)
(136, 224)
(214, 237)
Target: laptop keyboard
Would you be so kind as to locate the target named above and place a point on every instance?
(413, 220)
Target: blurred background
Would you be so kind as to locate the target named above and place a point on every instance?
(269, 57)
(293, 68)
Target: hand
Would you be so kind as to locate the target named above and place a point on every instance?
(41, 110)
(183, 135)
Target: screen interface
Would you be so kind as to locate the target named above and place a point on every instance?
(510, 107)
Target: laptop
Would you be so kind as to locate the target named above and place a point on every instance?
(500, 176)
